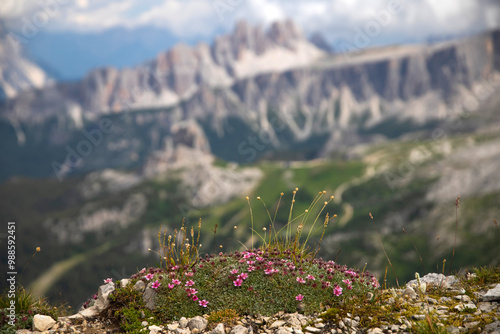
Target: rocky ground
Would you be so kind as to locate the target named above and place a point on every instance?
(444, 301)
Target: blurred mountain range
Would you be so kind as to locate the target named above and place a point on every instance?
(274, 83)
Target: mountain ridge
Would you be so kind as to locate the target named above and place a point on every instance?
(274, 85)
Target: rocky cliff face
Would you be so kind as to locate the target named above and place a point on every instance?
(17, 73)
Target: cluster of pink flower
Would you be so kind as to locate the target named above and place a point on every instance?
(348, 282)
(337, 290)
(375, 283)
(239, 280)
(191, 292)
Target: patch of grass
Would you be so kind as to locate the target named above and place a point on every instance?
(228, 317)
(129, 309)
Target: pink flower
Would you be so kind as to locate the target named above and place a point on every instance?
(347, 281)
(191, 291)
(189, 274)
(143, 270)
(300, 280)
(156, 285)
(238, 282)
(248, 255)
(195, 298)
(203, 303)
(108, 280)
(337, 290)
(176, 281)
(250, 269)
(243, 276)
(327, 284)
(270, 271)
(311, 277)
(171, 286)
(149, 276)
(250, 262)
(299, 297)
(234, 271)
(175, 267)
(258, 258)
(189, 283)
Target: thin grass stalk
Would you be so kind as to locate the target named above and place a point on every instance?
(457, 205)
(316, 219)
(416, 249)
(289, 228)
(251, 216)
(387, 256)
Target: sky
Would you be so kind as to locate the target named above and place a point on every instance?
(188, 19)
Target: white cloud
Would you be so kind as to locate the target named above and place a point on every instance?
(203, 18)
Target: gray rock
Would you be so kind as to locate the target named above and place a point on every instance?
(277, 324)
(461, 307)
(472, 324)
(149, 297)
(183, 322)
(42, 322)
(140, 286)
(312, 329)
(492, 326)
(283, 330)
(154, 329)
(238, 329)
(292, 320)
(90, 312)
(102, 301)
(463, 298)
(219, 329)
(172, 327)
(124, 282)
(198, 322)
(453, 330)
(492, 294)
(437, 280)
(410, 293)
(375, 331)
(486, 307)
(182, 331)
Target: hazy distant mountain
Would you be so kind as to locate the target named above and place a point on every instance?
(17, 72)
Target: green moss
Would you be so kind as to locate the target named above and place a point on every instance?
(129, 310)
(228, 317)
